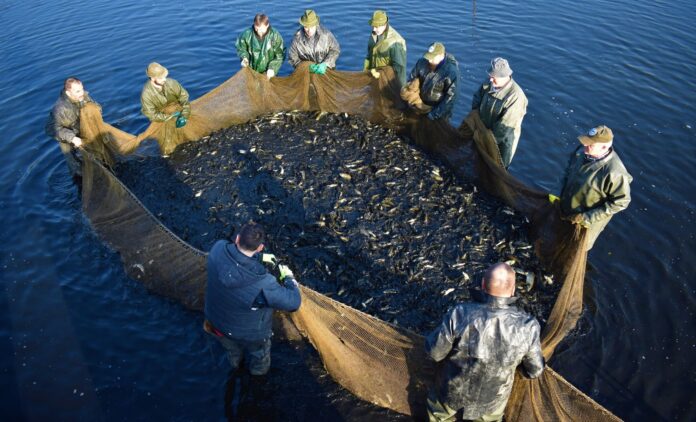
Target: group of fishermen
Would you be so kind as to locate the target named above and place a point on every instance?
(480, 344)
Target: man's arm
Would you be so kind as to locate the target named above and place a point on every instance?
(397, 55)
(242, 46)
(62, 123)
(334, 50)
(439, 343)
(445, 106)
(278, 51)
(505, 129)
(617, 188)
(285, 297)
(533, 360)
(149, 109)
(478, 97)
(294, 52)
(183, 98)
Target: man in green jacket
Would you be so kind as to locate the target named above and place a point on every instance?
(385, 47)
(261, 47)
(63, 123)
(161, 91)
(502, 105)
(596, 184)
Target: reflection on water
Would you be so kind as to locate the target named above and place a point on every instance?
(77, 334)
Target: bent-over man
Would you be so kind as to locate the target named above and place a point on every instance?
(479, 345)
(433, 81)
(160, 91)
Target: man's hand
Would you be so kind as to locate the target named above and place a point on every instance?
(269, 258)
(576, 219)
(375, 74)
(553, 198)
(245, 62)
(270, 73)
(285, 272)
(181, 121)
(321, 68)
(76, 142)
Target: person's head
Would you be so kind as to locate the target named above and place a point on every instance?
(309, 21)
(435, 54)
(499, 280)
(261, 24)
(157, 74)
(597, 141)
(250, 239)
(73, 89)
(499, 73)
(379, 22)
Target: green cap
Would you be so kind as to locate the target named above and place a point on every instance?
(597, 135)
(434, 50)
(309, 19)
(379, 18)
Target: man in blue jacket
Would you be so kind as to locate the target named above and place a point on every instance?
(241, 295)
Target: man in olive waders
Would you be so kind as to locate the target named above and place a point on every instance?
(385, 48)
(160, 91)
(502, 105)
(480, 344)
(596, 185)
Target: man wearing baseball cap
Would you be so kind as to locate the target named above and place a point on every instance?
(596, 184)
(435, 75)
(160, 91)
(385, 47)
(502, 105)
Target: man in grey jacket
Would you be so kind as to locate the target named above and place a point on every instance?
(314, 43)
(502, 105)
(479, 345)
(64, 121)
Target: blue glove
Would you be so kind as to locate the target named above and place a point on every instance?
(176, 114)
(181, 121)
(313, 68)
(321, 69)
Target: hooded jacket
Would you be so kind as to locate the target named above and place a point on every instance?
(597, 189)
(438, 88)
(321, 48)
(502, 112)
(63, 122)
(479, 345)
(389, 49)
(263, 53)
(241, 295)
(153, 100)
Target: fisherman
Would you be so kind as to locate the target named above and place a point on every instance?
(314, 43)
(64, 122)
(160, 92)
(432, 86)
(480, 345)
(261, 47)
(241, 295)
(502, 105)
(385, 48)
(596, 184)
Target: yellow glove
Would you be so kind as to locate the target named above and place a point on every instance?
(375, 73)
(553, 198)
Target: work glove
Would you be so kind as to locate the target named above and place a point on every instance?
(375, 74)
(245, 62)
(313, 68)
(553, 198)
(181, 121)
(321, 68)
(269, 258)
(270, 73)
(285, 272)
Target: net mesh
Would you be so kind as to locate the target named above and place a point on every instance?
(375, 360)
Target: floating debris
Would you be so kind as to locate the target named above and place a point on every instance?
(403, 241)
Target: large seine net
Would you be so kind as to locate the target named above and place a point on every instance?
(376, 361)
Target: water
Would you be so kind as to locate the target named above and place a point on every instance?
(78, 339)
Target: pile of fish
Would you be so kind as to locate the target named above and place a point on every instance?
(356, 211)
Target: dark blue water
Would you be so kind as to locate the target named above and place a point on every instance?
(78, 339)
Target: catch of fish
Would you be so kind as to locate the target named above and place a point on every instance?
(357, 212)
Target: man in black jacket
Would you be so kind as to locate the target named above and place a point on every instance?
(240, 298)
(432, 84)
(479, 345)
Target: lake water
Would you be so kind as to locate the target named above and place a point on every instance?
(79, 340)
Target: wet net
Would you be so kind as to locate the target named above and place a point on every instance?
(375, 360)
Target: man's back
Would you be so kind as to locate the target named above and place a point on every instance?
(481, 344)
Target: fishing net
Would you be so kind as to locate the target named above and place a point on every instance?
(375, 360)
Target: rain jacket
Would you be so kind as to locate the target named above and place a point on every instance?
(63, 122)
(388, 49)
(322, 48)
(438, 88)
(597, 189)
(241, 295)
(262, 53)
(153, 100)
(502, 112)
(479, 345)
